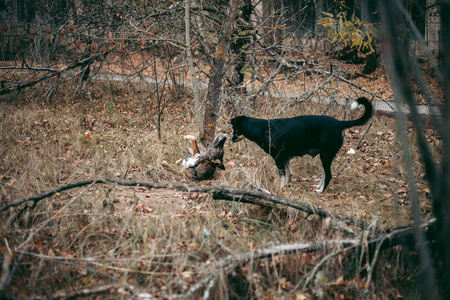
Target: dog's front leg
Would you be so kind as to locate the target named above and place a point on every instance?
(284, 181)
(284, 177)
(288, 169)
(284, 169)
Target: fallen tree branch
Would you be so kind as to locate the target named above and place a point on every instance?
(232, 261)
(52, 73)
(6, 272)
(94, 291)
(218, 192)
(399, 236)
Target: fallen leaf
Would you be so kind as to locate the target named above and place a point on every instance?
(87, 135)
(231, 164)
(302, 296)
(326, 223)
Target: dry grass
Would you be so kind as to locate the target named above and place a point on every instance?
(163, 242)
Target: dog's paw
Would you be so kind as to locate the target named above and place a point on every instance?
(318, 188)
(319, 191)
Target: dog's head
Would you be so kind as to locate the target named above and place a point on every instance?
(217, 147)
(215, 151)
(237, 131)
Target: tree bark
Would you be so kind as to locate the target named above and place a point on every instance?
(243, 39)
(217, 73)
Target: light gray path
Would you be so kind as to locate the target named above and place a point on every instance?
(386, 108)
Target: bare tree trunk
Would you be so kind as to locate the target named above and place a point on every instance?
(238, 45)
(277, 22)
(197, 112)
(217, 74)
(267, 14)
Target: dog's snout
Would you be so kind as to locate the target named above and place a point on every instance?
(236, 137)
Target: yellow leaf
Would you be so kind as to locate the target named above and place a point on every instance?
(251, 245)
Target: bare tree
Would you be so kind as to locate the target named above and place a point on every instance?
(218, 72)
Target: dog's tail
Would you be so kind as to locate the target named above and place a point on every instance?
(368, 110)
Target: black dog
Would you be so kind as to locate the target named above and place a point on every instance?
(288, 137)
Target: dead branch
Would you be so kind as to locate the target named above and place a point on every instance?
(364, 135)
(218, 192)
(399, 236)
(53, 73)
(94, 291)
(6, 273)
(37, 198)
(287, 65)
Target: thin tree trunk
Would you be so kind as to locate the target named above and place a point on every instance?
(217, 74)
(238, 45)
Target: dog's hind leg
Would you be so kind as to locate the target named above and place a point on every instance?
(326, 159)
(326, 156)
(319, 186)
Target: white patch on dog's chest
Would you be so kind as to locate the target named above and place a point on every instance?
(189, 161)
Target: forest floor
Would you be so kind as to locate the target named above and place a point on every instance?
(165, 243)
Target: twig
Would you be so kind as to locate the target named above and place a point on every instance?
(37, 198)
(207, 293)
(288, 65)
(372, 268)
(365, 133)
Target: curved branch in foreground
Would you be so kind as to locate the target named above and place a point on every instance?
(95, 291)
(218, 192)
(398, 236)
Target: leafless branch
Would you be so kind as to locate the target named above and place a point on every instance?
(398, 236)
(94, 291)
(54, 72)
